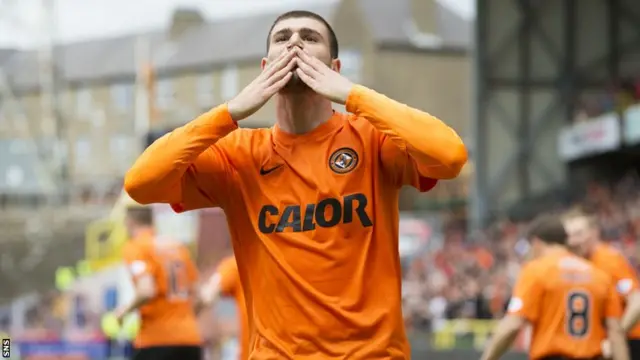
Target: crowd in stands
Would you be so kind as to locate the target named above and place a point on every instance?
(471, 275)
(616, 99)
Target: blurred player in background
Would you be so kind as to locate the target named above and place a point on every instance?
(571, 305)
(226, 282)
(584, 240)
(312, 203)
(164, 278)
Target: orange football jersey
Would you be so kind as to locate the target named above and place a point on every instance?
(614, 263)
(566, 300)
(168, 319)
(313, 217)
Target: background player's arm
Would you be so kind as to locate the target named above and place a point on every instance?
(503, 336)
(628, 287)
(632, 311)
(193, 276)
(523, 308)
(615, 333)
(142, 269)
(435, 149)
(222, 282)
(210, 291)
(185, 168)
(617, 340)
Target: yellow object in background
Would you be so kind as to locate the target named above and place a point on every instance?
(83, 268)
(110, 326)
(113, 330)
(64, 278)
(131, 327)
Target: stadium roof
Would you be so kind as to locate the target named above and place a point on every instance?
(221, 42)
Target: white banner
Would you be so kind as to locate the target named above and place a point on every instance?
(632, 125)
(595, 136)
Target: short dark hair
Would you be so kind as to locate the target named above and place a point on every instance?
(549, 229)
(141, 215)
(333, 39)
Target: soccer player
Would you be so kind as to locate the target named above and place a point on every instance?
(571, 305)
(226, 282)
(312, 203)
(164, 277)
(584, 239)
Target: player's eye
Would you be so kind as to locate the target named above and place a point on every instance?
(310, 39)
(281, 38)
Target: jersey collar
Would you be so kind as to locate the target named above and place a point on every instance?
(329, 126)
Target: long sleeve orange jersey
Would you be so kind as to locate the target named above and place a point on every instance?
(613, 262)
(167, 319)
(313, 217)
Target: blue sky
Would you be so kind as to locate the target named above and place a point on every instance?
(21, 23)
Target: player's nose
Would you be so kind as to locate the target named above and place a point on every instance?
(294, 40)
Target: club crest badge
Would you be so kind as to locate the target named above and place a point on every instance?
(343, 160)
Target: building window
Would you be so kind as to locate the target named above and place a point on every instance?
(83, 101)
(122, 147)
(82, 153)
(204, 90)
(164, 93)
(122, 96)
(229, 82)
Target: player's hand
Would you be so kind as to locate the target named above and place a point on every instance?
(273, 78)
(321, 79)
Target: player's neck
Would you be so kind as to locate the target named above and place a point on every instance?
(554, 249)
(592, 248)
(299, 113)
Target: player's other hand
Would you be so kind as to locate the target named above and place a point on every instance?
(323, 80)
(273, 78)
(606, 349)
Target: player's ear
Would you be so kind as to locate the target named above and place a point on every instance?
(336, 65)
(263, 63)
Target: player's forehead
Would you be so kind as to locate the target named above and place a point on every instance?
(577, 223)
(300, 24)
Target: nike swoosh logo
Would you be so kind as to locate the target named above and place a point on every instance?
(264, 171)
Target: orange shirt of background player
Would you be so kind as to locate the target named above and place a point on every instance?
(313, 217)
(230, 286)
(566, 300)
(614, 263)
(168, 319)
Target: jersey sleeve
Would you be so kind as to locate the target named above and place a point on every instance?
(228, 273)
(613, 303)
(139, 262)
(188, 168)
(527, 293)
(416, 146)
(624, 275)
(401, 168)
